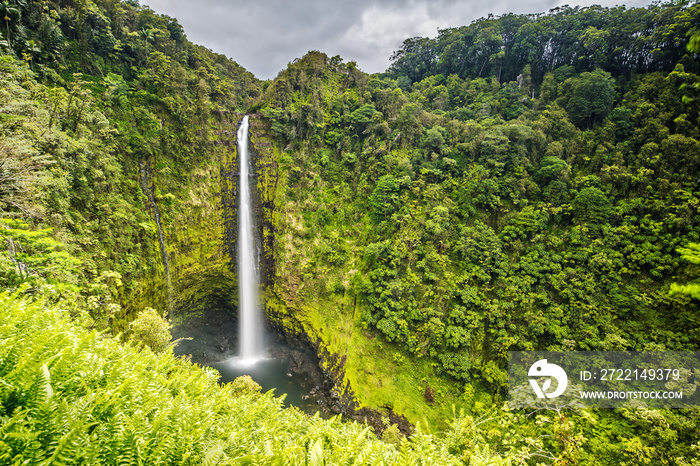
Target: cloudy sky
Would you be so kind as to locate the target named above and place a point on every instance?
(265, 35)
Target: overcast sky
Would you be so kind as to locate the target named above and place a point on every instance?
(265, 35)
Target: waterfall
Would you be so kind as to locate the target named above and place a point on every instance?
(250, 320)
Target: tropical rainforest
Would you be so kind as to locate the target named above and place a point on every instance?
(526, 182)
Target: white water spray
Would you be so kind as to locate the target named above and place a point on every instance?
(250, 320)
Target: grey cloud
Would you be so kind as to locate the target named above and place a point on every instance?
(265, 35)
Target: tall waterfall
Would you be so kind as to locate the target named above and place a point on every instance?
(250, 320)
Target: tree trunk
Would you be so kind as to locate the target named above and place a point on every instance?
(9, 42)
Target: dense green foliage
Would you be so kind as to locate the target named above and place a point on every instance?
(486, 235)
(505, 186)
(69, 396)
(692, 255)
(458, 215)
(619, 40)
(103, 130)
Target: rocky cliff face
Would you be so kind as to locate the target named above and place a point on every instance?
(198, 223)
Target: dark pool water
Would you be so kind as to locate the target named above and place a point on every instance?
(272, 374)
(210, 337)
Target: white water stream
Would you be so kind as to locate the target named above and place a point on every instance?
(250, 320)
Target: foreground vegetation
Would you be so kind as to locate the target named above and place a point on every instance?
(70, 396)
(422, 223)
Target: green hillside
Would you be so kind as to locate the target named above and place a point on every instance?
(527, 182)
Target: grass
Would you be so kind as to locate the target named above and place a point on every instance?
(381, 374)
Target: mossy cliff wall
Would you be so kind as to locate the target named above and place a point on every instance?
(329, 324)
(284, 315)
(197, 206)
(311, 297)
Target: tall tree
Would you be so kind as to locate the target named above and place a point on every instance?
(10, 9)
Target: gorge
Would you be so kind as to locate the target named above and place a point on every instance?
(526, 182)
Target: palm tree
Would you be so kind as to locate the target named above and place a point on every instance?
(7, 9)
(147, 35)
(3, 43)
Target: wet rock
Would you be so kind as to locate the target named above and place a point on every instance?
(211, 335)
(222, 344)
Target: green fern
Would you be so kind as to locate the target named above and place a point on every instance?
(69, 396)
